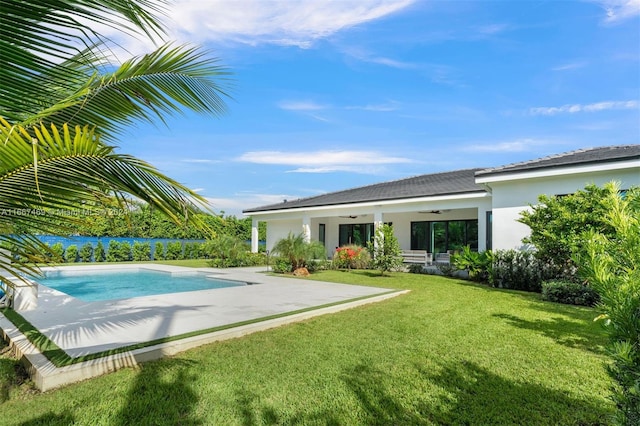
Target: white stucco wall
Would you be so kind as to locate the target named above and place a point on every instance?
(277, 229)
(401, 213)
(509, 198)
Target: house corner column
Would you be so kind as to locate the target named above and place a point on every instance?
(482, 229)
(306, 228)
(254, 235)
(378, 221)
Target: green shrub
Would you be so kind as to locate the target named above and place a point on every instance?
(118, 252)
(519, 270)
(158, 251)
(281, 265)
(124, 252)
(141, 251)
(227, 251)
(98, 254)
(71, 254)
(569, 292)
(478, 265)
(192, 250)
(319, 265)
(385, 250)
(416, 268)
(610, 262)
(57, 252)
(299, 252)
(112, 251)
(174, 250)
(351, 257)
(86, 252)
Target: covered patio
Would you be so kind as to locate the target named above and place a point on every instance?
(437, 213)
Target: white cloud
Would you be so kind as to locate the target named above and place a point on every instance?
(519, 145)
(569, 66)
(324, 161)
(619, 10)
(284, 22)
(199, 161)
(301, 106)
(574, 108)
(493, 29)
(242, 201)
(386, 107)
(390, 62)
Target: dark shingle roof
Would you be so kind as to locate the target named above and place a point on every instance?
(580, 157)
(447, 183)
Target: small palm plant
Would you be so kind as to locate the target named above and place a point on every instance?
(299, 252)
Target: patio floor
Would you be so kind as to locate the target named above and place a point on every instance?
(82, 328)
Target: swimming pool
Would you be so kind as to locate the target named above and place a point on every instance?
(97, 285)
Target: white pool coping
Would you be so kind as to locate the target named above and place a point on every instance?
(82, 328)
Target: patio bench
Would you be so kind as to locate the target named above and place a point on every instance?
(442, 258)
(416, 256)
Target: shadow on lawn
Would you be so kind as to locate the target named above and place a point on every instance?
(470, 395)
(161, 394)
(51, 419)
(476, 395)
(565, 332)
(252, 413)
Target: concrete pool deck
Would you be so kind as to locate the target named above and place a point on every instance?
(83, 328)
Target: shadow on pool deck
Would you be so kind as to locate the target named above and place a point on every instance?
(85, 328)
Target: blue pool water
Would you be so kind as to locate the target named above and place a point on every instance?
(91, 286)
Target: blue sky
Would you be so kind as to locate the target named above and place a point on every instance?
(329, 95)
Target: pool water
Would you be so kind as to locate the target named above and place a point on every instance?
(92, 286)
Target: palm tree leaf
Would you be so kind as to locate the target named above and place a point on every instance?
(36, 36)
(144, 88)
(73, 168)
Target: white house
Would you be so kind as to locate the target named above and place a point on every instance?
(447, 211)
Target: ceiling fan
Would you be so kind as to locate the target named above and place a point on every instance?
(434, 211)
(349, 217)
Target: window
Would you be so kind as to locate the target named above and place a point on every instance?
(322, 229)
(489, 230)
(359, 234)
(443, 236)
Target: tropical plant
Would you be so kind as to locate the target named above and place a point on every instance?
(297, 251)
(385, 250)
(519, 270)
(99, 254)
(226, 251)
(478, 265)
(557, 224)
(158, 251)
(351, 257)
(174, 250)
(71, 254)
(86, 252)
(141, 251)
(610, 262)
(60, 91)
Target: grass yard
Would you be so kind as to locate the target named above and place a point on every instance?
(449, 352)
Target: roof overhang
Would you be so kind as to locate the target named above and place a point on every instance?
(558, 171)
(376, 204)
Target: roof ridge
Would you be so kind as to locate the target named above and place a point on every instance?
(554, 156)
(386, 183)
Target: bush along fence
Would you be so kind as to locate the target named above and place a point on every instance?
(517, 270)
(118, 249)
(222, 251)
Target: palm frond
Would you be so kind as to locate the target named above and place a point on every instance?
(73, 169)
(144, 88)
(36, 36)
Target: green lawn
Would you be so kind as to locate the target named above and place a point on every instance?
(449, 352)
